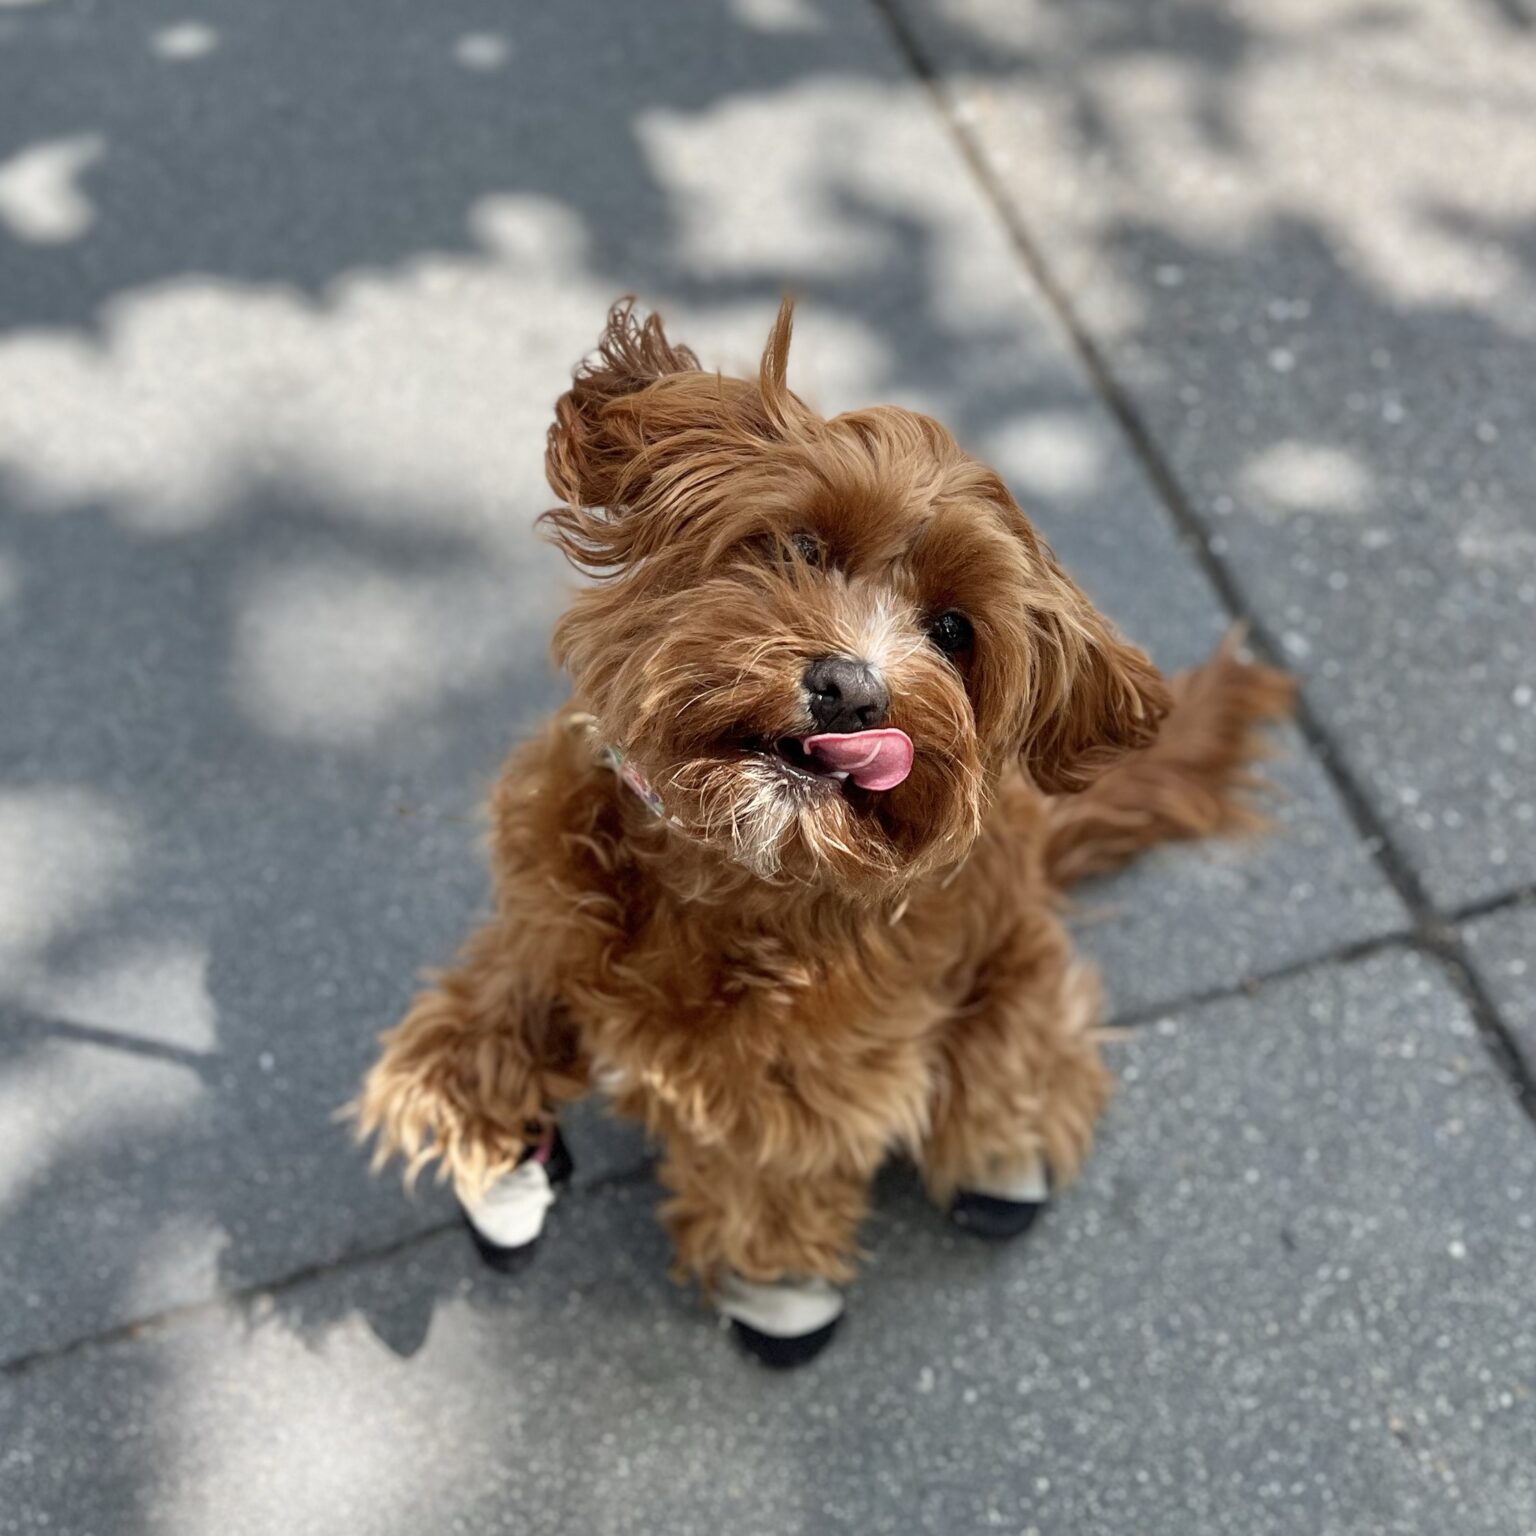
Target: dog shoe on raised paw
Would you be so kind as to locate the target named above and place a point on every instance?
(506, 1220)
(782, 1323)
(1002, 1208)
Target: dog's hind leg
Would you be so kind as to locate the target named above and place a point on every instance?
(770, 1247)
(1020, 1083)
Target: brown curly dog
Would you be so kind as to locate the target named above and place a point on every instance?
(781, 880)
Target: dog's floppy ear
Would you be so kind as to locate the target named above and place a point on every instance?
(590, 448)
(1108, 699)
(1093, 697)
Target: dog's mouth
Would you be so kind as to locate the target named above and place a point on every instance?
(873, 760)
(788, 755)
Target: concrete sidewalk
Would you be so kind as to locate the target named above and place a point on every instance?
(1241, 300)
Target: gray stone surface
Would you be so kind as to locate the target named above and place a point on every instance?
(1292, 1294)
(1244, 906)
(1302, 233)
(140, 1175)
(1502, 947)
(286, 296)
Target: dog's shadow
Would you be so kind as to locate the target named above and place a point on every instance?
(603, 1266)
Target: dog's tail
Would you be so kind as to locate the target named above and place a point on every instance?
(1195, 780)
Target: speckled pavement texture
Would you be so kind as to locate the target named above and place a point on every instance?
(1241, 299)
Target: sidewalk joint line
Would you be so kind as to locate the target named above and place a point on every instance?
(1431, 932)
(1249, 986)
(221, 1300)
(38, 1026)
(224, 1300)
(1521, 896)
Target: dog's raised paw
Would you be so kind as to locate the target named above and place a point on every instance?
(505, 1221)
(782, 1323)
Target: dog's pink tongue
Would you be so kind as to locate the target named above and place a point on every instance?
(872, 759)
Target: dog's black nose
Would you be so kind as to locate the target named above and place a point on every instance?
(845, 695)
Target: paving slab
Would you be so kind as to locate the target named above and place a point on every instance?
(1187, 920)
(1302, 235)
(286, 299)
(1291, 1294)
(1502, 948)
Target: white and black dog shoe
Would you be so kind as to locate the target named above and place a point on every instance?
(506, 1220)
(783, 1322)
(1005, 1207)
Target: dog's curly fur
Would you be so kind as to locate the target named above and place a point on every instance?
(786, 979)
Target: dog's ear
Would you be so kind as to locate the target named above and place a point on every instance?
(590, 448)
(1092, 697)
(643, 430)
(1106, 699)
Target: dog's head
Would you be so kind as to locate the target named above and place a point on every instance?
(822, 641)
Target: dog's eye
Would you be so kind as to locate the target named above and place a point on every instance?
(952, 633)
(809, 548)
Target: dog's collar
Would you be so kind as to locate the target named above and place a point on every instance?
(616, 758)
(631, 777)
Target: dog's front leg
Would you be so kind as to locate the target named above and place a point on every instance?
(770, 1246)
(472, 1078)
(1022, 1083)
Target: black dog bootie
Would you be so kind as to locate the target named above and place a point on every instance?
(1004, 1209)
(783, 1323)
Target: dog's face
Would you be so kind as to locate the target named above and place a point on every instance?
(822, 641)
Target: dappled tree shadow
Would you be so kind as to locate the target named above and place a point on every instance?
(1304, 260)
(281, 672)
(289, 693)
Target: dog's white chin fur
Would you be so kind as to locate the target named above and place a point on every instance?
(763, 817)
